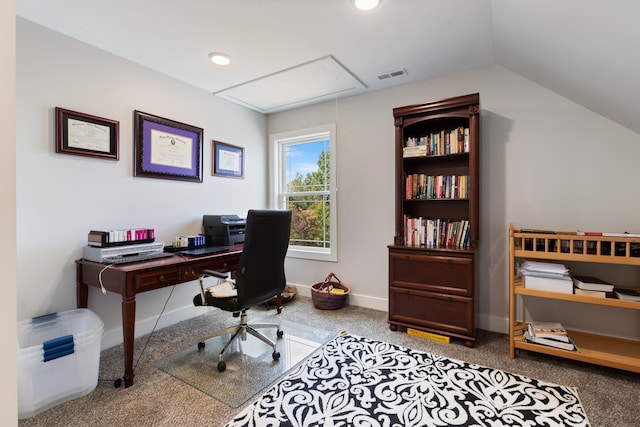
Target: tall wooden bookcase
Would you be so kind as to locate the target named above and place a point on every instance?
(432, 261)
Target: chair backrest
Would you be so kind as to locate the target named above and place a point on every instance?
(260, 272)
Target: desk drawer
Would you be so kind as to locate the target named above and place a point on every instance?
(192, 271)
(156, 279)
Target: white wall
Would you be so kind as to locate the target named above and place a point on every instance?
(61, 197)
(8, 333)
(545, 163)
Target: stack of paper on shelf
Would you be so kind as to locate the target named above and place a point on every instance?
(551, 334)
(546, 276)
(593, 286)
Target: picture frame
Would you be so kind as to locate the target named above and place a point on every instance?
(166, 149)
(82, 134)
(227, 160)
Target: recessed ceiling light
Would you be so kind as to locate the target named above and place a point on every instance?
(366, 4)
(219, 58)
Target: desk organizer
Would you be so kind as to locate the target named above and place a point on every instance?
(185, 243)
(58, 359)
(107, 239)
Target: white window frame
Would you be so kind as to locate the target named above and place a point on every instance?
(277, 185)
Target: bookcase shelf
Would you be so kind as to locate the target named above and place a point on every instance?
(432, 275)
(567, 246)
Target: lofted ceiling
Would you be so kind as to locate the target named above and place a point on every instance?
(290, 53)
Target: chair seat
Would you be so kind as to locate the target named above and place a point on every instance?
(227, 304)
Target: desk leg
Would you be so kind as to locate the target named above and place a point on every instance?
(82, 290)
(128, 324)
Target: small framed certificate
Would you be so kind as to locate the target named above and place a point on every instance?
(228, 160)
(167, 149)
(85, 135)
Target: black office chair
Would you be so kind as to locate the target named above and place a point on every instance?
(259, 276)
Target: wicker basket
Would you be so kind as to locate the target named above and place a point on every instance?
(330, 294)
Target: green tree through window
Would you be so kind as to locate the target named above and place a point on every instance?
(307, 195)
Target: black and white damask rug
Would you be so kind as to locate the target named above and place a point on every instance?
(355, 381)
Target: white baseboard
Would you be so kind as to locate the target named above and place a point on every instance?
(114, 337)
(354, 299)
(493, 323)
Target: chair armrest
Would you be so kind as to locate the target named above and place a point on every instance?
(214, 274)
(208, 273)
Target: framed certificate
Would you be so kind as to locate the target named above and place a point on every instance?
(228, 160)
(85, 135)
(166, 149)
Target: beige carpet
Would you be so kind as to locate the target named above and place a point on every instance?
(609, 396)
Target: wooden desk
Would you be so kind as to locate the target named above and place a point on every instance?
(131, 279)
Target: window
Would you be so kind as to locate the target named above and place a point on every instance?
(303, 180)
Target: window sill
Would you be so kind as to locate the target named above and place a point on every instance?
(312, 254)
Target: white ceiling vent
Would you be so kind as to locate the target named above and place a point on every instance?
(390, 74)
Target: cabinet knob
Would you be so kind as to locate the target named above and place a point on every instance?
(161, 277)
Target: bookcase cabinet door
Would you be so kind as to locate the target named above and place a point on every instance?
(435, 312)
(436, 273)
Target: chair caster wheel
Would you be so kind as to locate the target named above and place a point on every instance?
(276, 355)
(117, 383)
(280, 333)
(200, 345)
(222, 366)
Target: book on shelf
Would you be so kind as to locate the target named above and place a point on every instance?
(562, 284)
(591, 283)
(436, 232)
(421, 186)
(588, 292)
(627, 294)
(550, 342)
(452, 141)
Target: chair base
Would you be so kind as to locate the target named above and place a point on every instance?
(240, 331)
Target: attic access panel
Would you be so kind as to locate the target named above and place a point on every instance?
(313, 81)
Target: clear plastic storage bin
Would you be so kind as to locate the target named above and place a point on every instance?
(58, 359)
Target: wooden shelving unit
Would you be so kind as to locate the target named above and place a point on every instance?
(432, 287)
(566, 246)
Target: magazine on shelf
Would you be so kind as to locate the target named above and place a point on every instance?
(553, 330)
(561, 342)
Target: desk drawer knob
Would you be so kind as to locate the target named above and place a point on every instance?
(161, 277)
